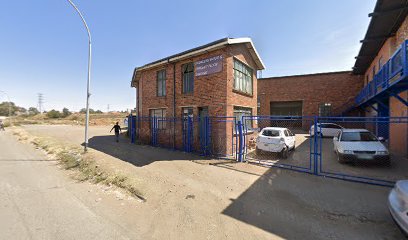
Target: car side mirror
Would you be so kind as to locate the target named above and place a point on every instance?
(335, 139)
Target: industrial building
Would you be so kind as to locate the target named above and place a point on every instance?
(219, 79)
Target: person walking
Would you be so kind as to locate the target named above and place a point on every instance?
(2, 125)
(117, 130)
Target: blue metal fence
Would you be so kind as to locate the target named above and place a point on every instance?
(304, 161)
(206, 136)
(228, 137)
(320, 159)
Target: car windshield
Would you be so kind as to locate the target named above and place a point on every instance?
(358, 137)
(271, 133)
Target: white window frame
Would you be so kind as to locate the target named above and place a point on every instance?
(243, 77)
(160, 114)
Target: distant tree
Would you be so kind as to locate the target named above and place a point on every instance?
(83, 110)
(98, 111)
(21, 110)
(65, 112)
(33, 111)
(54, 114)
(4, 108)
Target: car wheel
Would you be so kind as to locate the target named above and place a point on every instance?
(284, 153)
(340, 159)
(257, 151)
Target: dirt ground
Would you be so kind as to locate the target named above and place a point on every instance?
(301, 158)
(188, 198)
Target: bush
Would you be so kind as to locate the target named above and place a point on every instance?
(66, 112)
(33, 111)
(54, 114)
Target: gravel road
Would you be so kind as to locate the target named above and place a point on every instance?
(39, 201)
(188, 200)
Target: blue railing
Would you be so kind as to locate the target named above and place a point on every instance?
(393, 71)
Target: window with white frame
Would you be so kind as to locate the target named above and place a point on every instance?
(188, 77)
(161, 83)
(240, 112)
(187, 112)
(158, 117)
(242, 77)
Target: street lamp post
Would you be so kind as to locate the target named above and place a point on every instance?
(9, 105)
(89, 74)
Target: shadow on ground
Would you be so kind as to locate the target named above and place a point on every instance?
(138, 155)
(294, 206)
(287, 204)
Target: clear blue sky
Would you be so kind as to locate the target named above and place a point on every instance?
(43, 45)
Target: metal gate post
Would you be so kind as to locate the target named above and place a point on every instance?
(137, 128)
(206, 136)
(153, 132)
(130, 128)
(240, 142)
(189, 133)
(315, 148)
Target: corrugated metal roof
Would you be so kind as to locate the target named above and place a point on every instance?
(386, 19)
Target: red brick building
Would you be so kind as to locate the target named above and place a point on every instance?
(217, 79)
(376, 87)
(307, 95)
(382, 61)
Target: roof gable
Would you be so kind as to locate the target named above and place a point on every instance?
(200, 50)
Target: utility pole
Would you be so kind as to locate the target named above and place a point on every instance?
(108, 108)
(40, 102)
(88, 83)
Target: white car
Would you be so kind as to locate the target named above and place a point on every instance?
(398, 205)
(326, 129)
(359, 144)
(276, 140)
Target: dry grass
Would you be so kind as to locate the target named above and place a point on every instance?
(73, 119)
(82, 164)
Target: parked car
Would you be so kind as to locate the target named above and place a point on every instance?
(359, 144)
(326, 129)
(398, 205)
(275, 140)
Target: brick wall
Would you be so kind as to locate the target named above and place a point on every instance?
(386, 51)
(398, 132)
(214, 91)
(336, 88)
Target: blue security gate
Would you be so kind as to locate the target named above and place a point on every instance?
(231, 138)
(314, 153)
(302, 158)
(376, 169)
(223, 137)
(188, 134)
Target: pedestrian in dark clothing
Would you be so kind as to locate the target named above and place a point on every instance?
(117, 130)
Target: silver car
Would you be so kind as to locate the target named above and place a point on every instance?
(398, 204)
(359, 144)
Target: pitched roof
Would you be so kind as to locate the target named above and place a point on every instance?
(200, 50)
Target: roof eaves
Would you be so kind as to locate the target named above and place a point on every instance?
(198, 50)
